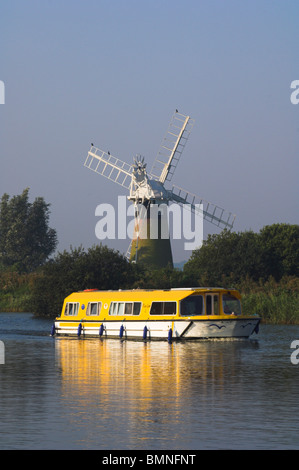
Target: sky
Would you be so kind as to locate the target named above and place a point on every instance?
(112, 72)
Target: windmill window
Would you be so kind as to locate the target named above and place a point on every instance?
(163, 308)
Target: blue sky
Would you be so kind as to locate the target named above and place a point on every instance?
(113, 72)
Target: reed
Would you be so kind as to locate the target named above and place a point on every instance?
(15, 291)
(274, 302)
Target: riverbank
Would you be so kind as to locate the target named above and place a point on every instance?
(276, 302)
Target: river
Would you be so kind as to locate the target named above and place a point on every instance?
(109, 394)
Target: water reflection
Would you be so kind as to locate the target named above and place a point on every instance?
(153, 393)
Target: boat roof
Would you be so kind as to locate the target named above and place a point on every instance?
(176, 293)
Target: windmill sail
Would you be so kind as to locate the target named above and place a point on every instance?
(128, 252)
(172, 147)
(211, 212)
(111, 167)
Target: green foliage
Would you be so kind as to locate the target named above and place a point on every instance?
(275, 302)
(98, 267)
(164, 278)
(15, 290)
(280, 250)
(26, 241)
(230, 257)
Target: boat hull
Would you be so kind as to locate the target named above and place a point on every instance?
(163, 329)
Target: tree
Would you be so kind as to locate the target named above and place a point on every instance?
(228, 256)
(26, 241)
(231, 257)
(99, 267)
(280, 247)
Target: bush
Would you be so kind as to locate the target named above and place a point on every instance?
(98, 267)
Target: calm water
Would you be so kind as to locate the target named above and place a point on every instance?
(60, 393)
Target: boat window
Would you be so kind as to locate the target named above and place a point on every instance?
(93, 308)
(169, 308)
(231, 305)
(71, 308)
(128, 308)
(136, 308)
(192, 305)
(115, 307)
(112, 308)
(212, 304)
(121, 308)
(163, 308)
(125, 308)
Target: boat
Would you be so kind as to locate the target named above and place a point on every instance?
(169, 314)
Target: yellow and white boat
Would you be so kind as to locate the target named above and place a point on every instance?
(183, 313)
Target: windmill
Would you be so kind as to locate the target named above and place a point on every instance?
(147, 190)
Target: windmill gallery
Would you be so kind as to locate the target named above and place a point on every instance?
(147, 189)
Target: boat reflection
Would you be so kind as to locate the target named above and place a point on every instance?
(146, 377)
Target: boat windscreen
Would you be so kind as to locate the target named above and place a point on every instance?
(231, 305)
